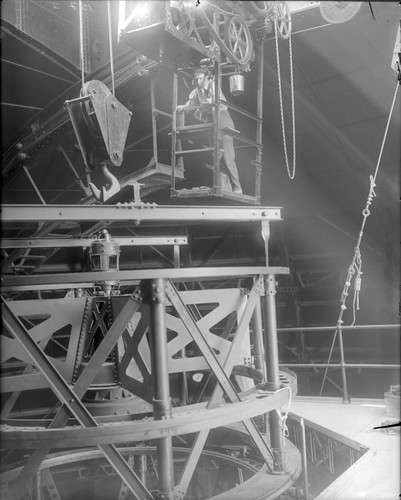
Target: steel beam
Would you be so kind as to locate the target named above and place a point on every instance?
(135, 213)
(185, 421)
(178, 274)
(218, 370)
(340, 365)
(272, 362)
(26, 382)
(86, 242)
(162, 408)
(217, 394)
(71, 399)
(314, 329)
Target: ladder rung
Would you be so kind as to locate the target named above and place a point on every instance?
(187, 151)
(163, 113)
(194, 128)
(22, 266)
(40, 257)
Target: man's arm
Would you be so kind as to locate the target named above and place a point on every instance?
(192, 101)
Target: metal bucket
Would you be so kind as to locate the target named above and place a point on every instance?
(236, 84)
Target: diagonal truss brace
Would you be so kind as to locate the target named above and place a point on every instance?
(222, 374)
(71, 398)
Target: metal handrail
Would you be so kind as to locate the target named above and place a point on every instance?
(342, 365)
(300, 329)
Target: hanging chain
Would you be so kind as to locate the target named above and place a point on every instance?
(356, 264)
(290, 175)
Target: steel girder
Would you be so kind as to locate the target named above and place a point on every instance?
(221, 367)
(71, 398)
(136, 212)
(133, 277)
(187, 420)
(86, 242)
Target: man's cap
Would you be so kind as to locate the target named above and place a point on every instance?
(201, 70)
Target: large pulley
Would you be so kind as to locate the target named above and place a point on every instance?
(92, 88)
(282, 16)
(180, 18)
(100, 121)
(259, 8)
(238, 40)
(228, 31)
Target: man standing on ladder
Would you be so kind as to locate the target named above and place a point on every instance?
(203, 97)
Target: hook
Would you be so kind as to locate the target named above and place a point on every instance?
(113, 188)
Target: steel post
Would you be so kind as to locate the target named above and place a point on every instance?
(154, 119)
(216, 132)
(259, 122)
(346, 398)
(304, 460)
(260, 361)
(160, 379)
(272, 361)
(174, 131)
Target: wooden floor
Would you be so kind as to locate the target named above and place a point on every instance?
(375, 476)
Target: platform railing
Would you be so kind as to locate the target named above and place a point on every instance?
(342, 365)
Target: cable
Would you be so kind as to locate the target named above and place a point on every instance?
(81, 42)
(356, 264)
(111, 48)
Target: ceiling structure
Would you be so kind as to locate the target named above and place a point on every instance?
(343, 90)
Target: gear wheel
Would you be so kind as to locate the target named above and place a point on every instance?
(261, 27)
(257, 9)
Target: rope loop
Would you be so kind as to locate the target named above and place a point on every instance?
(283, 418)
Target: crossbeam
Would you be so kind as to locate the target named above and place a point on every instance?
(132, 277)
(134, 213)
(86, 242)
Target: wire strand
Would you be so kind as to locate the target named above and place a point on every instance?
(356, 264)
(81, 42)
(111, 48)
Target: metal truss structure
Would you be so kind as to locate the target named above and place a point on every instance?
(167, 369)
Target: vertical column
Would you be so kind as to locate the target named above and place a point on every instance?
(37, 486)
(304, 460)
(154, 118)
(260, 362)
(272, 361)
(160, 382)
(346, 398)
(174, 130)
(259, 122)
(216, 128)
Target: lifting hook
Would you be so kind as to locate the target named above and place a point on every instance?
(112, 189)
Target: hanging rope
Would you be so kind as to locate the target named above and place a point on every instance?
(111, 48)
(283, 418)
(291, 175)
(355, 269)
(81, 43)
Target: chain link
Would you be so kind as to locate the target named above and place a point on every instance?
(290, 175)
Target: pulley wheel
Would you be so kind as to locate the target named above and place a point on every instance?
(88, 113)
(283, 16)
(238, 40)
(180, 18)
(261, 8)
